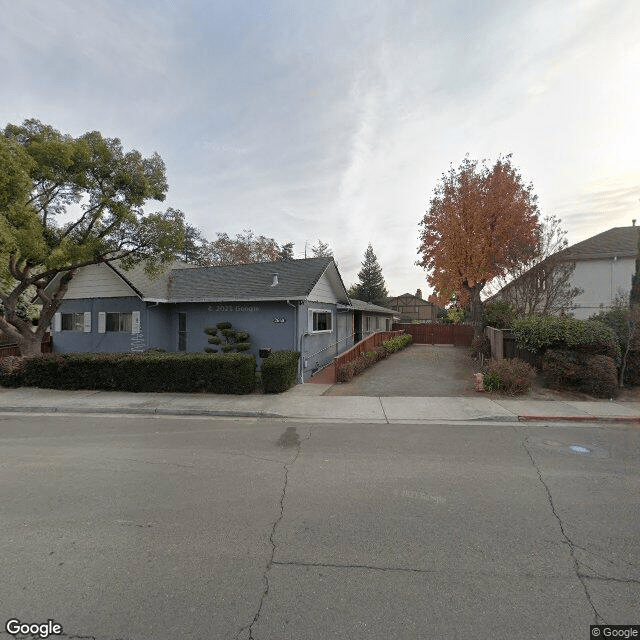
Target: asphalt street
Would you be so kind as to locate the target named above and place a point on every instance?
(156, 527)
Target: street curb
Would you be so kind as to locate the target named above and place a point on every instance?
(144, 411)
(534, 418)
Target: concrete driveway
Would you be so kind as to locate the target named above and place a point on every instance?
(420, 370)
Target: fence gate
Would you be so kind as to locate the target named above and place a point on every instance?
(456, 334)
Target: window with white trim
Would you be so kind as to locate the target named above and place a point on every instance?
(320, 321)
(119, 322)
(72, 322)
(367, 323)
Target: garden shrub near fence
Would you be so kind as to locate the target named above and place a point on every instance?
(538, 333)
(232, 373)
(511, 376)
(279, 371)
(348, 370)
(593, 374)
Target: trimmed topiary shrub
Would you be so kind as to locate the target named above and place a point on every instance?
(593, 374)
(227, 338)
(512, 376)
(279, 371)
(234, 373)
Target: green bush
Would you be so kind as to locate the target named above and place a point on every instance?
(538, 333)
(243, 346)
(228, 347)
(234, 373)
(492, 382)
(211, 331)
(224, 325)
(513, 376)
(500, 314)
(242, 336)
(229, 334)
(214, 340)
(279, 371)
(588, 373)
(210, 350)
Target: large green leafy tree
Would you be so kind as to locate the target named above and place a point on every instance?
(69, 202)
(371, 286)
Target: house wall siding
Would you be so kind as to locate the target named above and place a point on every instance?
(601, 281)
(269, 324)
(93, 341)
(97, 281)
(323, 291)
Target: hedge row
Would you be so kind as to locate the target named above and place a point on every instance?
(231, 373)
(279, 371)
(397, 343)
(538, 333)
(348, 370)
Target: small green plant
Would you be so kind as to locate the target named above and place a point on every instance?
(214, 340)
(224, 325)
(492, 382)
(243, 346)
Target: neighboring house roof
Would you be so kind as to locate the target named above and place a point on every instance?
(395, 299)
(620, 242)
(361, 305)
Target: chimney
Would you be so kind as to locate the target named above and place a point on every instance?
(275, 280)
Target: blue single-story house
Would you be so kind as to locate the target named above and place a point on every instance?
(290, 304)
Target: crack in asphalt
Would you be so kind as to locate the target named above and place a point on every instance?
(572, 546)
(274, 527)
(369, 567)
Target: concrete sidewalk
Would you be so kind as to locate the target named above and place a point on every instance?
(306, 402)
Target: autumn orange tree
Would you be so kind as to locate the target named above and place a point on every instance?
(481, 221)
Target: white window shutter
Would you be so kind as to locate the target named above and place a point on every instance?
(135, 322)
(57, 321)
(87, 321)
(102, 322)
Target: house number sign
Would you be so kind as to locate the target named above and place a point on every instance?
(279, 320)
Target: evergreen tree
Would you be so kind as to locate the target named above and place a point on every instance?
(371, 287)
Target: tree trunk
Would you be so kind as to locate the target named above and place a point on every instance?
(476, 309)
(30, 347)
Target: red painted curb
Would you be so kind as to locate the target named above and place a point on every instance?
(532, 418)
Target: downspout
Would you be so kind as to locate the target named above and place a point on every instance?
(295, 337)
(150, 306)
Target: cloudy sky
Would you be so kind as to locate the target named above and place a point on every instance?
(335, 120)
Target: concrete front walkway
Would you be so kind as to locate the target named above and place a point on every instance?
(420, 370)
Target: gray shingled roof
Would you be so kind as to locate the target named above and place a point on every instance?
(243, 282)
(621, 242)
(361, 305)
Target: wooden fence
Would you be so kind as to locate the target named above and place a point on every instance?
(14, 350)
(433, 333)
(364, 346)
